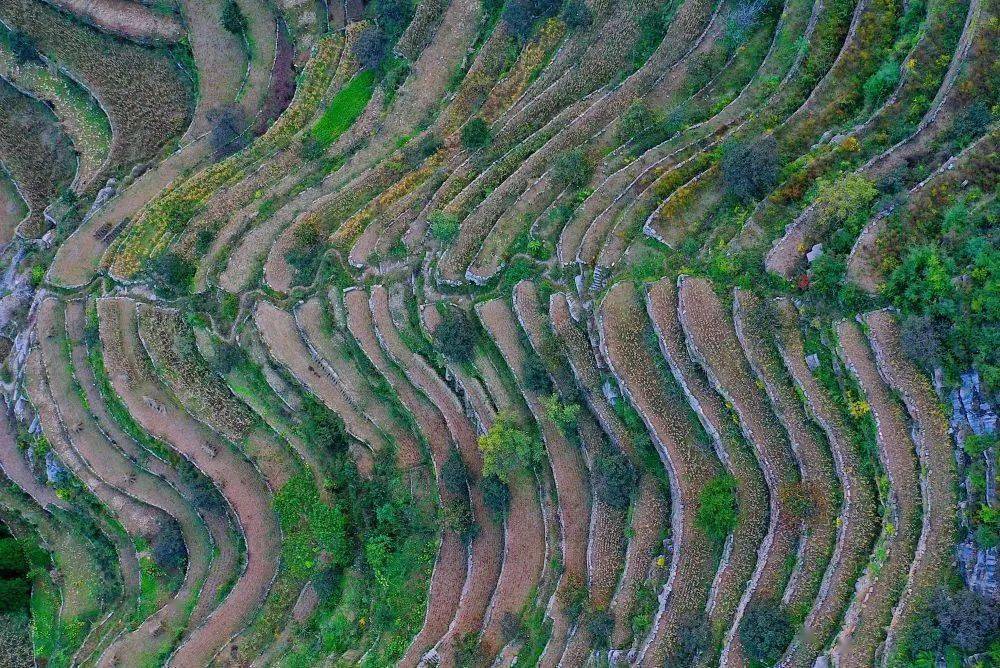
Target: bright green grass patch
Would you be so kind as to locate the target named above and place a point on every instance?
(345, 108)
(149, 589)
(44, 616)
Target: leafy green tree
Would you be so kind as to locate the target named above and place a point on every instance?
(507, 448)
(563, 414)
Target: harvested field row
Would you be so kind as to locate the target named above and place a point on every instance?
(243, 490)
(689, 461)
(872, 609)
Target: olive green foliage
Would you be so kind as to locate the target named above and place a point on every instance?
(716, 514)
(765, 632)
(572, 169)
(563, 414)
(170, 274)
(444, 226)
(616, 479)
(233, 19)
(948, 292)
(750, 167)
(536, 376)
(507, 448)
(476, 134)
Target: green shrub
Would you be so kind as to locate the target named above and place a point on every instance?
(444, 226)
(455, 475)
(496, 494)
(476, 134)
(572, 169)
(717, 514)
(536, 376)
(616, 478)
(456, 337)
(233, 19)
(765, 632)
(750, 168)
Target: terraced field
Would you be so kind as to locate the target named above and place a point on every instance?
(471, 333)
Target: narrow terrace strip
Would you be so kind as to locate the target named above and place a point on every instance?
(277, 329)
(606, 538)
(739, 557)
(754, 320)
(712, 341)
(209, 536)
(871, 611)
(331, 354)
(687, 457)
(156, 411)
(935, 551)
(115, 480)
(486, 552)
(451, 564)
(858, 520)
(525, 546)
(111, 501)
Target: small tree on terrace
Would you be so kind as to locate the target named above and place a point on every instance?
(507, 448)
(228, 126)
(476, 134)
(750, 168)
(23, 46)
(456, 337)
(371, 48)
(233, 19)
(577, 15)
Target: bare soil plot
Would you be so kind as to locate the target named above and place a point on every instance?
(240, 484)
(571, 481)
(207, 398)
(486, 550)
(938, 481)
(219, 56)
(712, 341)
(858, 520)
(139, 521)
(739, 557)
(328, 348)
(606, 552)
(125, 18)
(451, 564)
(111, 465)
(687, 458)
(871, 612)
